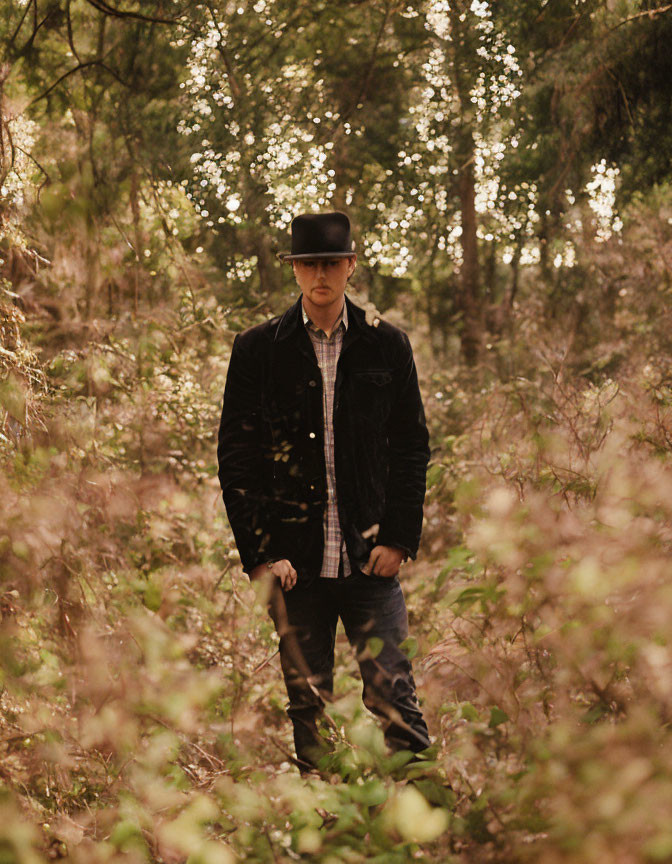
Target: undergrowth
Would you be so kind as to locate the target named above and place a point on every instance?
(142, 706)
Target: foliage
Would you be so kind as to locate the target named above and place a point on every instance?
(141, 702)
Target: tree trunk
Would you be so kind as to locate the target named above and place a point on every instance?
(269, 272)
(469, 293)
(137, 237)
(468, 300)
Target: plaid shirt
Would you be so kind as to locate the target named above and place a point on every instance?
(327, 351)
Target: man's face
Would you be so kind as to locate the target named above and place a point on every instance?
(323, 280)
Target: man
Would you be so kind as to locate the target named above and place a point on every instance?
(323, 451)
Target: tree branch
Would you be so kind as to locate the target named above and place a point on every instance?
(366, 78)
(233, 80)
(6, 166)
(36, 26)
(77, 68)
(33, 159)
(106, 9)
(71, 38)
(648, 13)
(20, 25)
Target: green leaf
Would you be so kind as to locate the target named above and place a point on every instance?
(375, 646)
(468, 597)
(434, 475)
(152, 596)
(13, 397)
(594, 715)
(371, 793)
(468, 712)
(436, 793)
(458, 557)
(410, 647)
(441, 578)
(126, 834)
(497, 716)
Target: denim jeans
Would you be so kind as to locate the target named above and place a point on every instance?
(369, 606)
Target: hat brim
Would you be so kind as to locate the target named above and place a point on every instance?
(287, 256)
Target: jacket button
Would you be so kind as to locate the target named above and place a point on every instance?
(312, 383)
(312, 435)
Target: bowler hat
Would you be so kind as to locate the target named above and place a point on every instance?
(320, 235)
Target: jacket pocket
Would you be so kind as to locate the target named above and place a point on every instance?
(373, 377)
(372, 393)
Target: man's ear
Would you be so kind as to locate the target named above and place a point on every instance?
(352, 265)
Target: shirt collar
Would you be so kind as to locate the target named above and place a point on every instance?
(342, 319)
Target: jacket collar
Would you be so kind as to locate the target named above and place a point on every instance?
(292, 321)
(342, 319)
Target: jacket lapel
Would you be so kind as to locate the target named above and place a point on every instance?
(356, 324)
(292, 331)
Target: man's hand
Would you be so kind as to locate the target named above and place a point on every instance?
(281, 570)
(384, 561)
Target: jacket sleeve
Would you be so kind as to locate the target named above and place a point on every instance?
(408, 457)
(239, 454)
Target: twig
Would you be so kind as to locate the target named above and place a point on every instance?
(20, 25)
(106, 9)
(265, 662)
(77, 68)
(648, 13)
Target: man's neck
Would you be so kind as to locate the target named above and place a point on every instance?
(324, 318)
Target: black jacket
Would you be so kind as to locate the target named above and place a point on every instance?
(271, 445)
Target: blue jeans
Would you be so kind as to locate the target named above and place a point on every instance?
(369, 606)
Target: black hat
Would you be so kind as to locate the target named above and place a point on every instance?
(320, 235)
